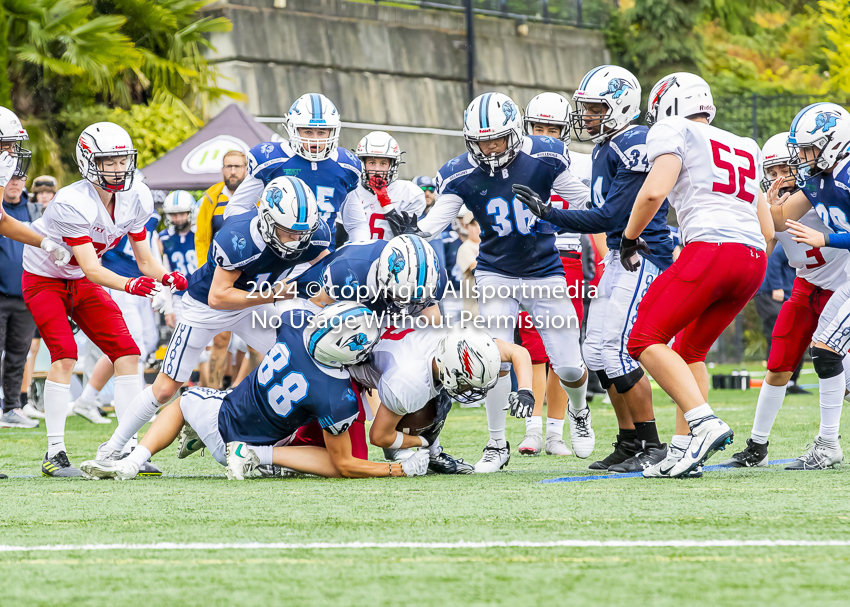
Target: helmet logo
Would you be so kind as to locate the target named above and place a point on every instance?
(616, 88)
(266, 149)
(466, 354)
(825, 121)
(273, 197)
(509, 110)
(239, 242)
(351, 280)
(294, 107)
(661, 90)
(356, 342)
(396, 263)
(83, 144)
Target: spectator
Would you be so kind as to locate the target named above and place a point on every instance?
(427, 186)
(17, 326)
(467, 260)
(44, 188)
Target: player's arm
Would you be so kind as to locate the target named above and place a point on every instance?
(354, 218)
(521, 361)
(245, 197)
(89, 263)
(383, 432)
(660, 181)
(441, 214)
(765, 221)
(13, 229)
(432, 314)
(783, 208)
(224, 295)
(149, 264)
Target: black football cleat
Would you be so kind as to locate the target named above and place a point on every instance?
(646, 456)
(754, 455)
(623, 450)
(443, 463)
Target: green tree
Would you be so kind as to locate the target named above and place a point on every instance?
(836, 16)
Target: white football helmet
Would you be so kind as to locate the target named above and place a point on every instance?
(492, 116)
(104, 140)
(824, 127)
(407, 274)
(313, 111)
(680, 94)
(11, 135)
(379, 144)
(775, 152)
(468, 364)
(179, 201)
(549, 108)
(289, 205)
(342, 334)
(609, 85)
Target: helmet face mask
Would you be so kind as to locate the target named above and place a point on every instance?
(616, 92)
(15, 150)
(377, 146)
(807, 161)
(113, 172)
(468, 364)
(589, 124)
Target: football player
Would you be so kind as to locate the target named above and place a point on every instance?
(819, 142)
(607, 101)
(517, 263)
(820, 272)
(710, 177)
(332, 173)
(380, 189)
(178, 242)
(90, 217)
(250, 257)
(301, 382)
(411, 368)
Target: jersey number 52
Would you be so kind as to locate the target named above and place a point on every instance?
(745, 173)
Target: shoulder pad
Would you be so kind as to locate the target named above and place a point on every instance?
(264, 155)
(233, 247)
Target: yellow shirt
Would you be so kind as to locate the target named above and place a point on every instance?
(210, 218)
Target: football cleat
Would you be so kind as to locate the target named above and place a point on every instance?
(88, 410)
(494, 458)
(662, 469)
(58, 466)
(709, 435)
(146, 469)
(581, 432)
(531, 445)
(645, 457)
(188, 442)
(15, 418)
(397, 455)
(555, 445)
(443, 463)
(241, 460)
(275, 471)
(623, 450)
(819, 456)
(754, 455)
(105, 454)
(32, 412)
(120, 470)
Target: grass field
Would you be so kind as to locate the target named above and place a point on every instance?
(195, 503)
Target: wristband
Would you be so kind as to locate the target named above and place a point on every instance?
(424, 441)
(399, 439)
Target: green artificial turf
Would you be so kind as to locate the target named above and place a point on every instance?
(197, 504)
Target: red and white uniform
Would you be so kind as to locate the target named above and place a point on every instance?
(723, 262)
(405, 195)
(76, 216)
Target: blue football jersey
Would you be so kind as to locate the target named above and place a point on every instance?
(239, 246)
(331, 179)
(121, 258)
(287, 391)
(350, 274)
(620, 167)
(830, 197)
(511, 245)
(179, 250)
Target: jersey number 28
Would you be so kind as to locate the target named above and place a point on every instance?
(289, 389)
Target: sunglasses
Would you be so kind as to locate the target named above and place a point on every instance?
(428, 188)
(43, 184)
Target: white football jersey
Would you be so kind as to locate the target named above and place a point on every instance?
(716, 194)
(825, 267)
(405, 195)
(76, 216)
(400, 368)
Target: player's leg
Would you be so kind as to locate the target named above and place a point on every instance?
(218, 360)
(532, 444)
(249, 363)
(85, 405)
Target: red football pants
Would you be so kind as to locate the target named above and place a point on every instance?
(795, 325)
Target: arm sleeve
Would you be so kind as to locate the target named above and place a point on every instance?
(203, 229)
(839, 241)
(665, 138)
(245, 197)
(354, 218)
(441, 214)
(572, 189)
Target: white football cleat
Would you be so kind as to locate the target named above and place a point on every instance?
(709, 435)
(31, 412)
(532, 444)
(88, 410)
(582, 436)
(820, 455)
(105, 454)
(121, 470)
(662, 469)
(494, 458)
(241, 460)
(555, 445)
(188, 442)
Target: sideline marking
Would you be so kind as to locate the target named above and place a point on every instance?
(605, 477)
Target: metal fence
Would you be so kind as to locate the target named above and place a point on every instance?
(590, 14)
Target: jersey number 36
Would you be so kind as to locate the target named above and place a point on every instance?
(286, 391)
(507, 215)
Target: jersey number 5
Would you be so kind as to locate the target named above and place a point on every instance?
(744, 173)
(289, 389)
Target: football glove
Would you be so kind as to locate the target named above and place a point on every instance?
(143, 286)
(175, 281)
(8, 164)
(529, 198)
(417, 464)
(402, 222)
(521, 403)
(61, 255)
(628, 249)
(379, 186)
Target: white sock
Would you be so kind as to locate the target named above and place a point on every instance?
(434, 448)
(56, 397)
(703, 410)
(139, 455)
(264, 452)
(127, 388)
(554, 427)
(496, 406)
(140, 411)
(534, 424)
(831, 400)
(767, 408)
(681, 441)
(578, 396)
(89, 394)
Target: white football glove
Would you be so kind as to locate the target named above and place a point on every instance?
(8, 164)
(61, 255)
(161, 302)
(417, 464)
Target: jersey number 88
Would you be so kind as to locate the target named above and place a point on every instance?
(289, 389)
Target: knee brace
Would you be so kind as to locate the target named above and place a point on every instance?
(626, 382)
(569, 374)
(826, 362)
(604, 380)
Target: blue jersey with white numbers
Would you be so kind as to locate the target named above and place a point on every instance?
(620, 167)
(288, 390)
(121, 259)
(830, 197)
(349, 274)
(179, 250)
(239, 246)
(331, 180)
(510, 243)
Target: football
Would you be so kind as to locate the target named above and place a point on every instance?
(417, 422)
